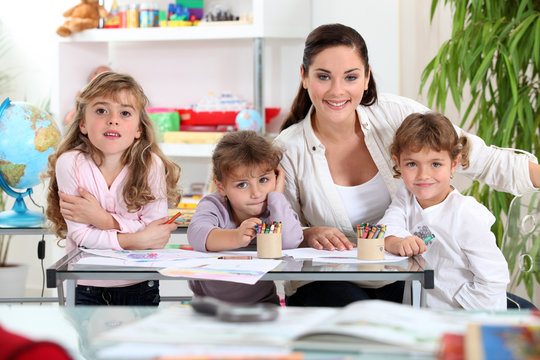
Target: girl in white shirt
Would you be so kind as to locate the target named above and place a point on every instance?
(428, 216)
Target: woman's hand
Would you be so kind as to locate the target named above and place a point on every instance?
(409, 246)
(246, 232)
(534, 173)
(85, 209)
(329, 238)
(280, 179)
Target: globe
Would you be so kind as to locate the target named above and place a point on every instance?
(28, 136)
(248, 119)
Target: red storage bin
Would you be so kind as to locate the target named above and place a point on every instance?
(189, 117)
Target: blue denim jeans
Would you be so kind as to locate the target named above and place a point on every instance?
(144, 293)
(341, 293)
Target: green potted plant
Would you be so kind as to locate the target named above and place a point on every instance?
(491, 67)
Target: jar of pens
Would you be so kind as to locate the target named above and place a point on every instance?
(370, 243)
(269, 240)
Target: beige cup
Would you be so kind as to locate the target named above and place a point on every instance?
(269, 246)
(370, 249)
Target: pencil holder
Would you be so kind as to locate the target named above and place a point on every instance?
(269, 246)
(370, 249)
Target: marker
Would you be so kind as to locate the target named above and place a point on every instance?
(426, 240)
(173, 218)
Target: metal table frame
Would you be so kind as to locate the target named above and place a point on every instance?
(415, 270)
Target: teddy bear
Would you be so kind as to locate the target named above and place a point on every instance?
(81, 17)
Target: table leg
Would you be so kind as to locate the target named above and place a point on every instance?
(70, 292)
(416, 289)
(60, 289)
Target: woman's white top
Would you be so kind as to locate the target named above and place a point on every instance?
(365, 202)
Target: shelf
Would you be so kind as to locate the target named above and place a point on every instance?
(186, 33)
(188, 150)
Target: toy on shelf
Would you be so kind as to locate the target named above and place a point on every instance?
(81, 17)
(113, 19)
(220, 14)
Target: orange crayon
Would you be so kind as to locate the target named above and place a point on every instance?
(173, 218)
(372, 232)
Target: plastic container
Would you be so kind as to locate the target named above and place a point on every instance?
(132, 16)
(122, 15)
(155, 23)
(146, 16)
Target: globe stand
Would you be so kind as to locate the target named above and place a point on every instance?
(19, 215)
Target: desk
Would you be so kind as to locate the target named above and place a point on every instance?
(414, 269)
(45, 231)
(80, 330)
(24, 231)
(41, 231)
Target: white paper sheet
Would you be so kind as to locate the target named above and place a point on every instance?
(336, 257)
(134, 351)
(149, 255)
(239, 271)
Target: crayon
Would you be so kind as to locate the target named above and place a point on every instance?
(383, 230)
(173, 218)
(372, 231)
(377, 232)
(366, 231)
(426, 240)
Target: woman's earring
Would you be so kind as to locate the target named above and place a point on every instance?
(451, 176)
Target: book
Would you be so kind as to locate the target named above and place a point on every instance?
(502, 341)
(370, 326)
(452, 347)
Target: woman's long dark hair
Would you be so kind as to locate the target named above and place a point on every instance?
(321, 38)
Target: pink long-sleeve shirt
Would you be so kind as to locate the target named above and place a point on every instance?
(75, 169)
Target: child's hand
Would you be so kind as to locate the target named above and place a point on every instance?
(280, 179)
(246, 231)
(84, 209)
(409, 246)
(156, 234)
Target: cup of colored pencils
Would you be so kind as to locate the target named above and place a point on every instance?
(269, 240)
(370, 242)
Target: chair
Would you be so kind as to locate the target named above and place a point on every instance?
(521, 246)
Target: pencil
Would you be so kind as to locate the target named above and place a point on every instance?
(173, 218)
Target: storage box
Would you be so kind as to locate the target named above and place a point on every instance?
(189, 117)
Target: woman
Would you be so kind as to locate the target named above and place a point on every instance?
(338, 167)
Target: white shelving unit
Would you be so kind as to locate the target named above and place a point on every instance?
(177, 66)
(188, 150)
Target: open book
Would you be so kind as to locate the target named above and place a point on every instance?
(503, 341)
(365, 326)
